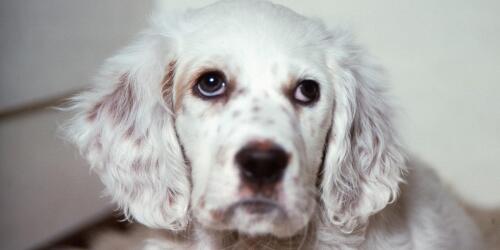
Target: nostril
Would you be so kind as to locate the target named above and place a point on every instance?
(262, 162)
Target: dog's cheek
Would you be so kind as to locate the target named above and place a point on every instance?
(196, 135)
(189, 127)
(313, 130)
(315, 126)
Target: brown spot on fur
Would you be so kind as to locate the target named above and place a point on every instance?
(256, 109)
(140, 165)
(118, 104)
(180, 92)
(217, 214)
(168, 83)
(137, 165)
(171, 196)
(139, 141)
(130, 131)
(94, 111)
(288, 89)
(289, 84)
(121, 101)
(141, 138)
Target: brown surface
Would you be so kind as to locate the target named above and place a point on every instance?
(84, 236)
(109, 233)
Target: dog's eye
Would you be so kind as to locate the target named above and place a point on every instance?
(210, 84)
(306, 92)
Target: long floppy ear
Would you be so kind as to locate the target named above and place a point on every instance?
(124, 128)
(364, 162)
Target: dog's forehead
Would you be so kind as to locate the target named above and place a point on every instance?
(259, 15)
(253, 31)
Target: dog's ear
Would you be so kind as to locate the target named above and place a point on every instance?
(364, 162)
(124, 128)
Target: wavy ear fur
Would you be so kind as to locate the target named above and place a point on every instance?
(124, 128)
(364, 162)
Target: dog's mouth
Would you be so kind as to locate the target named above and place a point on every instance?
(257, 206)
(256, 215)
(256, 209)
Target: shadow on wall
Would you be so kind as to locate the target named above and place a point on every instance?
(488, 221)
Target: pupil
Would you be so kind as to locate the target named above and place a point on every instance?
(309, 89)
(211, 83)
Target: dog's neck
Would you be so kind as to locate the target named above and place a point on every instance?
(234, 240)
(316, 235)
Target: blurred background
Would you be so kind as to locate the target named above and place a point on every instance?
(442, 58)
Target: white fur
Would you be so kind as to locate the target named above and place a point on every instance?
(166, 156)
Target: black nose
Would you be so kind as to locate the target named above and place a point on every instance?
(262, 162)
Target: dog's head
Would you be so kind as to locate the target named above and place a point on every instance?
(243, 116)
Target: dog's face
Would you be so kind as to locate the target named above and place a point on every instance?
(229, 114)
(252, 117)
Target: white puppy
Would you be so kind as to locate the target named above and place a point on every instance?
(246, 125)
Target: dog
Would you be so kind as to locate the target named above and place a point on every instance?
(245, 125)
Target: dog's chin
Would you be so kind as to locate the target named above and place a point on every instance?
(256, 217)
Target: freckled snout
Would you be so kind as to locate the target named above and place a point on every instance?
(262, 163)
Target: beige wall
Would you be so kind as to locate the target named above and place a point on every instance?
(442, 57)
(51, 47)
